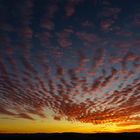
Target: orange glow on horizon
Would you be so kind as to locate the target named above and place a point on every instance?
(54, 126)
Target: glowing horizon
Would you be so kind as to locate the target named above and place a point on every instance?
(47, 126)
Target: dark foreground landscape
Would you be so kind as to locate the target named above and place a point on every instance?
(73, 136)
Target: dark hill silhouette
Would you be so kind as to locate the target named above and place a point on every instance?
(72, 136)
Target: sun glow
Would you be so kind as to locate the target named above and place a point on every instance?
(54, 126)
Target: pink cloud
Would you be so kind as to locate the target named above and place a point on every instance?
(64, 38)
(48, 24)
(87, 37)
(70, 8)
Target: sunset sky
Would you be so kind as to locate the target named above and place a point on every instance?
(69, 66)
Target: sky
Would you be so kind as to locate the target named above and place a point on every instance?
(69, 66)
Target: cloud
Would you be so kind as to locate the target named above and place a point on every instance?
(62, 99)
(58, 118)
(64, 38)
(26, 33)
(60, 71)
(25, 116)
(87, 37)
(52, 9)
(68, 93)
(110, 12)
(48, 24)
(70, 7)
(44, 38)
(136, 20)
(6, 112)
